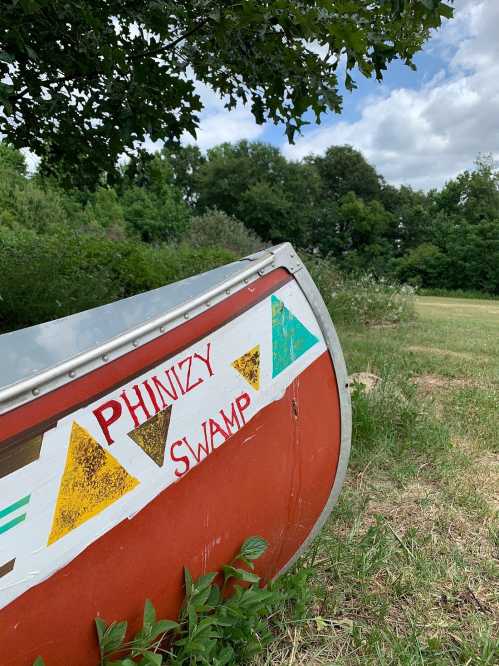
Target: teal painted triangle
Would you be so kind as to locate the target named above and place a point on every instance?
(290, 338)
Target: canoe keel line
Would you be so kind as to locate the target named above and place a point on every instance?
(232, 422)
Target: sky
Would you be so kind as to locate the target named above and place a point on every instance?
(417, 128)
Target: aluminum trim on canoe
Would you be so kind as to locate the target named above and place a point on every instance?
(29, 351)
(320, 310)
(32, 385)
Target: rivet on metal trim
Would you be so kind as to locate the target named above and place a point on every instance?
(207, 304)
(186, 316)
(261, 271)
(72, 374)
(35, 391)
(105, 358)
(246, 280)
(227, 291)
(135, 343)
(161, 329)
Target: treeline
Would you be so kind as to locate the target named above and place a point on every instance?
(338, 206)
(175, 213)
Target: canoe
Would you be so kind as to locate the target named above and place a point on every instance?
(158, 432)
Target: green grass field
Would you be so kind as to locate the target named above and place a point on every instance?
(407, 569)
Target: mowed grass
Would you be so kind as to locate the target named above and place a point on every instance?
(407, 569)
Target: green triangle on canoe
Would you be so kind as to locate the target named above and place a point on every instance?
(290, 338)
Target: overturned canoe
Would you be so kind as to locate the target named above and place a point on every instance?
(159, 432)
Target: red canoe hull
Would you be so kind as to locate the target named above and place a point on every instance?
(260, 489)
(274, 476)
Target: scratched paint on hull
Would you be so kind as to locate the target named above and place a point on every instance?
(7, 567)
(18, 455)
(248, 366)
(290, 338)
(92, 480)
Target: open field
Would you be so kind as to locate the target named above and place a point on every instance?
(407, 570)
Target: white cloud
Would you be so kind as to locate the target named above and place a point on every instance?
(424, 137)
(218, 125)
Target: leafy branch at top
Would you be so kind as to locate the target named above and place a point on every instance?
(82, 82)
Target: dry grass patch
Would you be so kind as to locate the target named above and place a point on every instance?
(411, 570)
(445, 352)
(484, 471)
(429, 383)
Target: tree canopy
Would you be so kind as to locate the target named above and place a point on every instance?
(237, 198)
(82, 82)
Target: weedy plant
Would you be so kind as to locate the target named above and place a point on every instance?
(360, 300)
(220, 622)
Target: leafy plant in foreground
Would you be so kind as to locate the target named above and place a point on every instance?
(213, 628)
(220, 621)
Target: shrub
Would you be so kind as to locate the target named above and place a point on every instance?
(217, 229)
(53, 275)
(362, 299)
(45, 277)
(424, 265)
(367, 300)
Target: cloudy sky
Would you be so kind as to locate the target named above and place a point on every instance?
(418, 128)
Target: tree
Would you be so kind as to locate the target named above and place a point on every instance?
(424, 266)
(343, 169)
(356, 233)
(153, 207)
(231, 169)
(185, 162)
(413, 218)
(254, 183)
(473, 195)
(83, 81)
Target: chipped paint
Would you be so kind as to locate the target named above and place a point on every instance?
(290, 338)
(17, 455)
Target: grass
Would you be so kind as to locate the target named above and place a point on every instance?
(407, 569)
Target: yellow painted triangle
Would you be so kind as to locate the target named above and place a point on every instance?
(151, 435)
(248, 366)
(92, 480)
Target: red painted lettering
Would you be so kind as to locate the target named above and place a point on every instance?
(134, 408)
(171, 393)
(201, 449)
(243, 402)
(188, 385)
(206, 360)
(216, 429)
(181, 459)
(174, 372)
(151, 395)
(105, 422)
(233, 421)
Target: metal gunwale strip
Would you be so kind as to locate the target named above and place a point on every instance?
(31, 384)
(326, 325)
